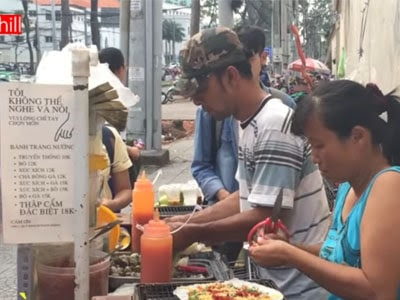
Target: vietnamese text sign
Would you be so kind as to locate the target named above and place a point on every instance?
(37, 162)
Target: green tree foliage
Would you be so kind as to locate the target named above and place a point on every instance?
(171, 32)
(315, 25)
(209, 12)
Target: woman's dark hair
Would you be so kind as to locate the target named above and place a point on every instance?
(344, 104)
(113, 57)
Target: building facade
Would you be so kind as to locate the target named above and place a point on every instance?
(369, 34)
(14, 49)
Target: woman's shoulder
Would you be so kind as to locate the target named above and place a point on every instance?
(385, 190)
(388, 178)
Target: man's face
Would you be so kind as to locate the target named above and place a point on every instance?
(121, 73)
(214, 98)
(256, 62)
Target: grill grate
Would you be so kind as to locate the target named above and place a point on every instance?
(241, 272)
(170, 211)
(165, 291)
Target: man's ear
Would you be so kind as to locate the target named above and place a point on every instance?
(230, 79)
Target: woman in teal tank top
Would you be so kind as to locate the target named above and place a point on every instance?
(352, 144)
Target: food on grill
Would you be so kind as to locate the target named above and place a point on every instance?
(128, 265)
(226, 291)
(230, 290)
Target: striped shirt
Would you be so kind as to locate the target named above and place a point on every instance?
(271, 159)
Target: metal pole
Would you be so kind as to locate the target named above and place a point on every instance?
(85, 27)
(53, 25)
(124, 31)
(136, 126)
(157, 55)
(80, 73)
(272, 35)
(225, 13)
(148, 20)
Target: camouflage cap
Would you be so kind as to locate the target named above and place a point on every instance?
(206, 51)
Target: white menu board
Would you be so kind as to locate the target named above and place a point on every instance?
(37, 162)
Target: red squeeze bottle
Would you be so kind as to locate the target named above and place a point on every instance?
(156, 249)
(142, 208)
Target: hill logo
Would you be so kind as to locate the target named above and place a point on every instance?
(10, 24)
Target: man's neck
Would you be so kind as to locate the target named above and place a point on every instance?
(252, 96)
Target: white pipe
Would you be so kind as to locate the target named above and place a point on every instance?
(80, 73)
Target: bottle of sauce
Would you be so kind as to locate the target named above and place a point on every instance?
(156, 249)
(142, 208)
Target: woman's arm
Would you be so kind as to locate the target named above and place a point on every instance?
(343, 281)
(380, 236)
(123, 192)
(379, 277)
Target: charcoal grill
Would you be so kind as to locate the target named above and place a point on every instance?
(170, 211)
(165, 291)
(241, 272)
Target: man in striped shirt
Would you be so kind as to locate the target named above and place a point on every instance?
(217, 75)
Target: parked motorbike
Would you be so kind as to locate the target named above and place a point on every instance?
(169, 95)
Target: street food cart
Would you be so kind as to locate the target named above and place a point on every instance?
(50, 157)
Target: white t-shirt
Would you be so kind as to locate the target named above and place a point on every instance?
(271, 159)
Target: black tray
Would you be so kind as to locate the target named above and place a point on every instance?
(170, 211)
(165, 291)
(212, 274)
(216, 268)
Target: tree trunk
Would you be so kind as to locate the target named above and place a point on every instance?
(16, 53)
(173, 51)
(195, 18)
(66, 20)
(94, 23)
(27, 32)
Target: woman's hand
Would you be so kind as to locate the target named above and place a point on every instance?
(269, 252)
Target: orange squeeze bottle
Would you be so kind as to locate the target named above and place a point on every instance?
(142, 208)
(156, 249)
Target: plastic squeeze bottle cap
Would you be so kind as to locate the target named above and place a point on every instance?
(156, 227)
(143, 181)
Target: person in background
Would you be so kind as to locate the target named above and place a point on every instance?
(117, 192)
(115, 60)
(264, 76)
(216, 74)
(215, 156)
(354, 145)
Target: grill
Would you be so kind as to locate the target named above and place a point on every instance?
(165, 291)
(241, 271)
(170, 211)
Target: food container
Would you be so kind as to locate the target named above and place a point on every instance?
(216, 270)
(57, 282)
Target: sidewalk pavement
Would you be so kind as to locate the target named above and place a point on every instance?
(8, 271)
(180, 109)
(177, 171)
